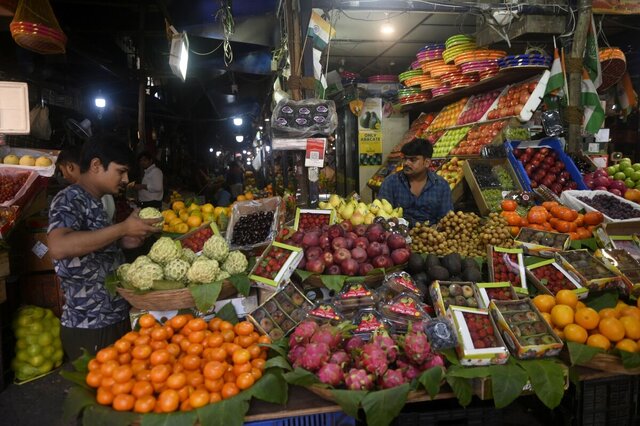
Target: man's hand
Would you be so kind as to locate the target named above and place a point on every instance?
(140, 228)
(131, 242)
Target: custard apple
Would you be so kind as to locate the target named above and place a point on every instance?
(236, 263)
(143, 276)
(222, 275)
(176, 270)
(152, 213)
(203, 271)
(216, 248)
(188, 255)
(122, 271)
(165, 250)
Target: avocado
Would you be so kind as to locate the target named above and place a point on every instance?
(416, 263)
(455, 278)
(421, 278)
(471, 274)
(431, 261)
(470, 263)
(438, 273)
(453, 263)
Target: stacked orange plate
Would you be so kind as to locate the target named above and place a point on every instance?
(38, 38)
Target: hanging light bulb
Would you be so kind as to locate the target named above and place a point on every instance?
(387, 28)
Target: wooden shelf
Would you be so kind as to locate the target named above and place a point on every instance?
(504, 77)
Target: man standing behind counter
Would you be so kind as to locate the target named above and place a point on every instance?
(421, 193)
(151, 190)
(84, 245)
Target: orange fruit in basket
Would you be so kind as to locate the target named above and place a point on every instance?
(608, 313)
(627, 345)
(575, 333)
(561, 316)
(544, 302)
(587, 318)
(194, 221)
(598, 341)
(631, 327)
(567, 297)
(612, 329)
(580, 305)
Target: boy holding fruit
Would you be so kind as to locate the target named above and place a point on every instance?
(84, 247)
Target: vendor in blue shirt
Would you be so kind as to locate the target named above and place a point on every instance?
(423, 195)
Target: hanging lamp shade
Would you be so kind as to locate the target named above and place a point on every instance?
(35, 27)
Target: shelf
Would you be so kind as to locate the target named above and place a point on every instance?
(503, 78)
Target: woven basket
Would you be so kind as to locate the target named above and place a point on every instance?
(168, 300)
(325, 393)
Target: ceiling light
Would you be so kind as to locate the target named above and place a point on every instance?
(268, 148)
(239, 138)
(210, 149)
(244, 151)
(387, 28)
(266, 119)
(100, 102)
(179, 55)
(237, 121)
(218, 153)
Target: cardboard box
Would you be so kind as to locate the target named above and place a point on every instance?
(514, 333)
(518, 269)
(295, 256)
(441, 304)
(476, 190)
(244, 208)
(324, 212)
(580, 291)
(527, 236)
(466, 350)
(591, 272)
(484, 290)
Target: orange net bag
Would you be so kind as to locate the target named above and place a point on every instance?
(35, 27)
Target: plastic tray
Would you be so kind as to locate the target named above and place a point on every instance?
(552, 143)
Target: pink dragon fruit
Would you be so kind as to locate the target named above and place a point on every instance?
(314, 356)
(302, 334)
(358, 379)
(354, 344)
(294, 355)
(341, 358)
(374, 359)
(392, 378)
(409, 371)
(327, 334)
(416, 347)
(387, 344)
(331, 374)
(435, 361)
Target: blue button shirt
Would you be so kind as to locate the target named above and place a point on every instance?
(432, 204)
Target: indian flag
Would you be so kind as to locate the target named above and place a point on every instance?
(320, 30)
(555, 85)
(593, 112)
(591, 57)
(626, 95)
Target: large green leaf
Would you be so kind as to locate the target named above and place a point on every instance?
(228, 313)
(547, 380)
(604, 300)
(468, 372)
(302, 377)
(451, 356)
(111, 282)
(100, 415)
(431, 380)
(461, 388)
(186, 418)
(303, 274)
(630, 360)
(76, 401)
(271, 387)
(229, 412)
(277, 348)
(75, 377)
(581, 354)
(333, 282)
(349, 400)
(381, 407)
(241, 282)
(507, 382)
(278, 362)
(205, 295)
(81, 364)
(588, 243)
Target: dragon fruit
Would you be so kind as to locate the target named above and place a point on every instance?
(387, 344)
(327, 334)
(416, 347)
(435, 361)
(294, 355)
(374, 359)
(331, 374)
(314, 356)
(354, 344)
(409, 371)
(358, 379)
(302, 334)
(392, 378)
(341, 358)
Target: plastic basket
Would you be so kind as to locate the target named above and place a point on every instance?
(608, 401)
(327, 419)
(479, 415)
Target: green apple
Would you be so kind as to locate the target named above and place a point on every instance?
(625, 162)
(612, 170)
(619, 176)
(637, 185)
(629, 183)
(636, 166)
(628, 171)
(635, 176)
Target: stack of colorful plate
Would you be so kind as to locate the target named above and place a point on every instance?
(416, 65)
(478, 56)
(614, 65)
(426, 66)
(38, 38)
(430, 83)
(349, 77)
(479, 66)
(409, 74)
(386, 78)
(440, 70)
(431, 52)
(410, 95)
(463, 81)
(458, 45)
(526, 60)
(440, 91)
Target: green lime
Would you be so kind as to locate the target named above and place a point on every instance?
(37, 360)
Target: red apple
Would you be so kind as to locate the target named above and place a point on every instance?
(400, 255)
(313, 252)
(341, 254)
(315, 265)
(333, 270)
(361, 242)
(349, 267)
(364, 268)
(328, 258)
(339, 242)
(359, 254)
(396, 241)
(346, 225)
(335, 231)
(374, 249)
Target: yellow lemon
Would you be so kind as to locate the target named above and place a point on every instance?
(207, 208)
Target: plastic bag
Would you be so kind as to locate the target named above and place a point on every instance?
(14, 183)
(40, 124)
(302, 119)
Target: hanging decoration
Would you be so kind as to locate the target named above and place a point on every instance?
(35, 27)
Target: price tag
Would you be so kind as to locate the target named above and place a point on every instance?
(314, 156)
(39, 249)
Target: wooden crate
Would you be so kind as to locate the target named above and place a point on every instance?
(42, 290)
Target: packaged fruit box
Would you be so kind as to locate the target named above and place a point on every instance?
(520, 99)
(307, 219)
(549, 278)
(369, 320)
(479, 342)
(591, 272)
(495, 291)
(527, 334)
(403, 310)
(281, 312)
(449, 140)
(14, 184)
(353, 297)
(622, 262)
(196, 238)
(253, 224)
(507, 264)
(453, 293)
(490, 180)
(542, 243)
(325, 313)
(275, 265)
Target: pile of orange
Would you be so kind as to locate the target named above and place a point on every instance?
(554, 217)
(181, 365)
(246, 196)
(573, 321)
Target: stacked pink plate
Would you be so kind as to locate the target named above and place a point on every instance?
(386, 78)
